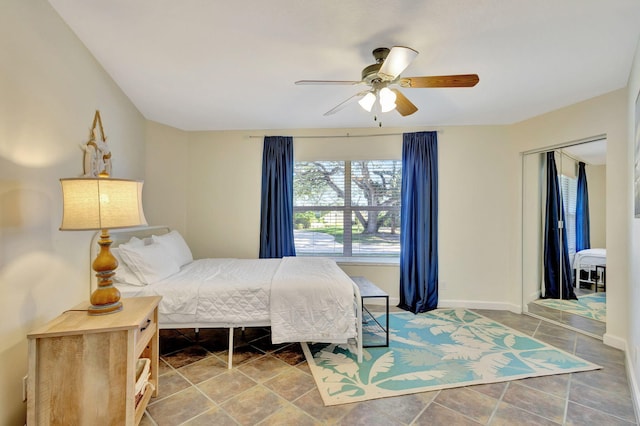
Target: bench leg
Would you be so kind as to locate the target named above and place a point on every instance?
(230, 361)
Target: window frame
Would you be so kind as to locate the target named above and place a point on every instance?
(348, 209)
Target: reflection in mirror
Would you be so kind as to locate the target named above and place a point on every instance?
(580, 254)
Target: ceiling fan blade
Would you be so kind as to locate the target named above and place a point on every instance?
(403, 105)
(397, 60)
(344, 82)
(461, 80)
(346, 103)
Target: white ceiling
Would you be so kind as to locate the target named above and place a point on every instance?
(221, 65)
(594, 153)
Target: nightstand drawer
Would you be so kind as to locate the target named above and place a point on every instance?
(145, 332)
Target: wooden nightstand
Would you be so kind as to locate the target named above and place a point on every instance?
(82, 368)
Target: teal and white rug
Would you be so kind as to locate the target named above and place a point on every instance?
(440, 349)
(593, 306)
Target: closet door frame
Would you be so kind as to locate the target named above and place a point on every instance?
(533, 173)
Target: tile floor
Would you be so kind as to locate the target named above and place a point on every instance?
(272, 385)
(596, 328)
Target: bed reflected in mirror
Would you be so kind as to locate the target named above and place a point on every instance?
(563, 228)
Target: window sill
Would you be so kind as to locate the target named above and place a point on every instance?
(367, 261)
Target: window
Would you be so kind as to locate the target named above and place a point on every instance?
(569, 188)
(347, 208)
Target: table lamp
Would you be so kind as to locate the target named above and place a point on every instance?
(102, 204)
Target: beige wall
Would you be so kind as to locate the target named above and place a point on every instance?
(478, 232)
(167, 162)
(50, 88)
(597, 185)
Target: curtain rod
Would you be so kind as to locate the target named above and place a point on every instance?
(577, 160)
(348, 135)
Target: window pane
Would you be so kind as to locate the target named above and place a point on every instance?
(375, 183)
(569, 188)
(318, 183)
(383, 240)
(318, 233)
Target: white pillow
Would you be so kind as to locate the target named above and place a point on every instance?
(176, 245)
(123, 273)
(150, 263)
(133, 242)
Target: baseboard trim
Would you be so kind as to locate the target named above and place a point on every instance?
(474, 304)
(633, 383)
(615, 342)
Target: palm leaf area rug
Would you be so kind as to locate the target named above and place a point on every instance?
(593, 306)
(440, 349)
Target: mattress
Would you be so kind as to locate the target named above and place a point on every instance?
(590, 257)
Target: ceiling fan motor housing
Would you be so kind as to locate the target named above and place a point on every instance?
(380, 54)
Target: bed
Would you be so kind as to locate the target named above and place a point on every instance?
(588, 265)
(302, 299)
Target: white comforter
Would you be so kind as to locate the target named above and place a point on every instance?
(220, 292)
(304, 299)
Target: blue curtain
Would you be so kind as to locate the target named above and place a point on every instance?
(276, 210)
(583, 236)
(419, 223)
(557, 267)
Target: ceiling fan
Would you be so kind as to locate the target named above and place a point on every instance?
(390, 63)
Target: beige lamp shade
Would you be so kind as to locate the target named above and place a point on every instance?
(101, 203)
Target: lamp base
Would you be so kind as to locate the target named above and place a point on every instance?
(105, 309)
(106, 298)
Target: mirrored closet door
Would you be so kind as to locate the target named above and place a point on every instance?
(563, 228)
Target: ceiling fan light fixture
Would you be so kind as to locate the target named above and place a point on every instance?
(367, 101)
(387, 99)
